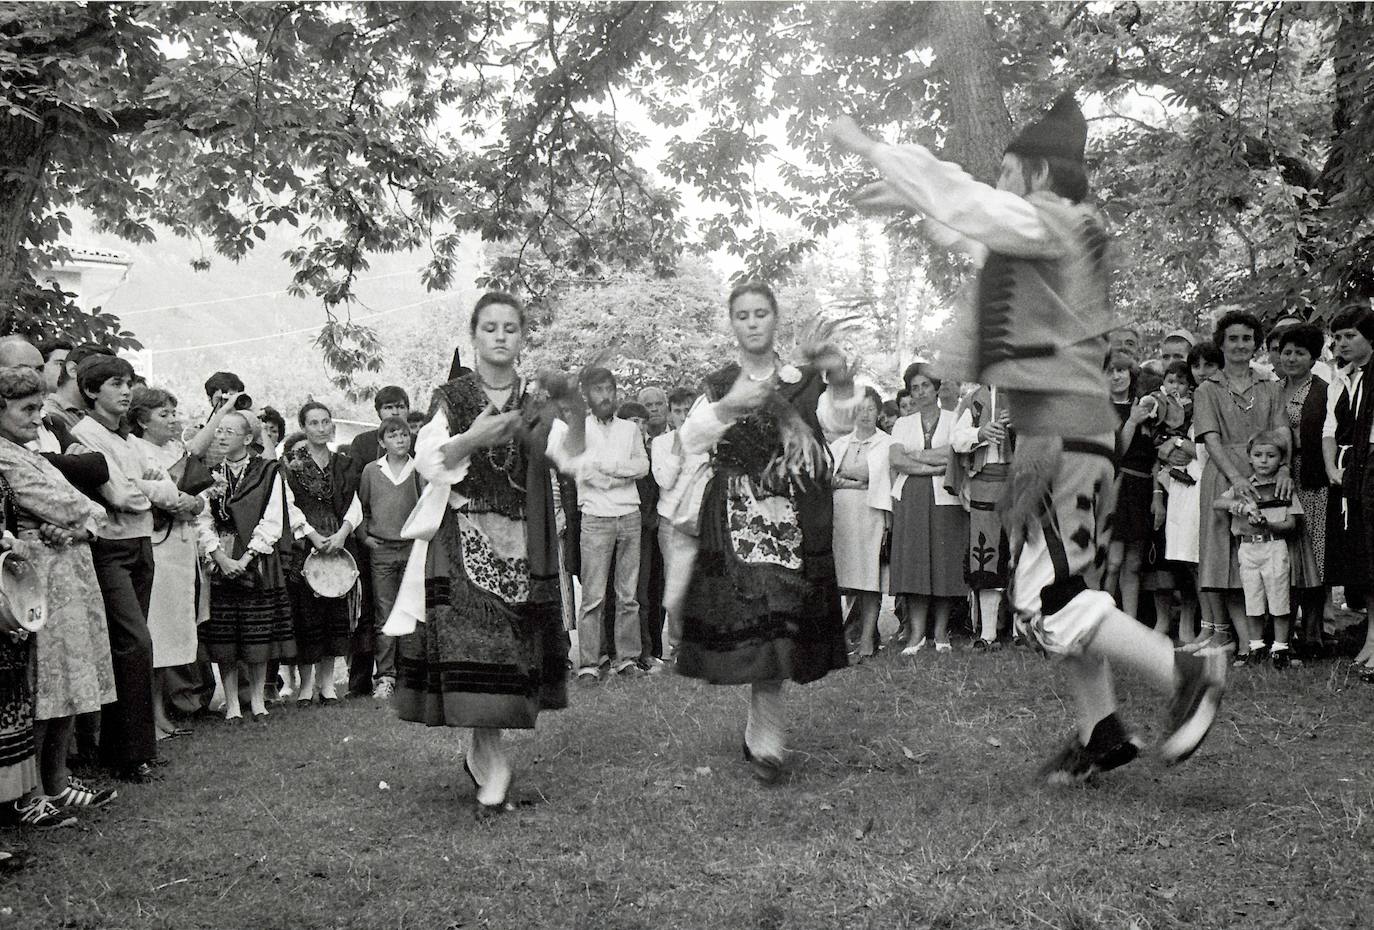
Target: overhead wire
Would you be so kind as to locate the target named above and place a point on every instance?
(295, 332)
(235, 299)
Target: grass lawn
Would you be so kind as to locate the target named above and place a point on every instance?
(912, 804)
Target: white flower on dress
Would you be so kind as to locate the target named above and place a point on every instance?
(789, 374)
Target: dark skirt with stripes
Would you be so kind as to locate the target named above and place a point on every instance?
(18, 767)
(322, 626)
(250, 618)
(478, 661)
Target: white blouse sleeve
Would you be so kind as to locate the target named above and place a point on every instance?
(703, 427)
(964, 438)
(205, 529)
(837, 416)
(268, 532)
(300, 526)
(429, 453)
(354, 517)
(570, 465)
(1000, 220)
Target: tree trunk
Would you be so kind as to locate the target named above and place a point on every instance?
(980, 126)
(23, 160)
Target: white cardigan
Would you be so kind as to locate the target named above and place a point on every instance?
(879, 471)
(909, 434)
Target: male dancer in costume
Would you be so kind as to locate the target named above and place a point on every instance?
(1039, 323)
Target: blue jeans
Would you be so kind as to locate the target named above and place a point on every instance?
(602, 536)
(388, 566)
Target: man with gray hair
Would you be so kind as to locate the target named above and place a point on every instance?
(655, 400)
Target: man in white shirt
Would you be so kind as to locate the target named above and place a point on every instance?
(679, 501)
(613, 459)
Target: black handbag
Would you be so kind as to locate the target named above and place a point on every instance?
(195, 476)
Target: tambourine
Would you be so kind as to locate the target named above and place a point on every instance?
(21, 593)
(330, 574)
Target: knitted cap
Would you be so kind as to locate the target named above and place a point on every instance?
(1060, 133)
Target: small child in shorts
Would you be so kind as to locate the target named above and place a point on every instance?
(1262, 522)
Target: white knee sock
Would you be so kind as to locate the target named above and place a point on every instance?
(487, 759)
(1093, 694)
(766, 732)
(988, 603)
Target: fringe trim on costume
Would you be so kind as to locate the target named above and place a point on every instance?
(802, 459)
(1028, 486)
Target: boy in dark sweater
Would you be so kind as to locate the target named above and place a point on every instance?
(388, 489)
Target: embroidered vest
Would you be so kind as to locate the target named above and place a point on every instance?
(1037, 328)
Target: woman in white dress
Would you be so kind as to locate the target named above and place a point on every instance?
(173, 612)
(863, 512)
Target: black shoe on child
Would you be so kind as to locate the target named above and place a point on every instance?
(1280, 659)
(1109, 748)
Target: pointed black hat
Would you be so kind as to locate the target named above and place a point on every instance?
(1060, 133)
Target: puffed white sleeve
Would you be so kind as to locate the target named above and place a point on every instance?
(837, 416)
(704, 427)
(429, 452)
(268, 532)
(300, 526)
(574, 466)
(964, 437)
(1000, 220)
(206, 537)
(354, 517)
(664, 463)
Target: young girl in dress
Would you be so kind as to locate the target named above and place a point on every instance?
(1131, 530)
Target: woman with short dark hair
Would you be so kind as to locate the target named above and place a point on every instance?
(172, 609)
(929, 527)
(1304, 400)
(1228, 408)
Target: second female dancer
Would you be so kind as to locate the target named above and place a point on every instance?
(483, 574)
(762, 606)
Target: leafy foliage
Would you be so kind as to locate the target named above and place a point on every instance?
(379, 127)
(372, 127)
